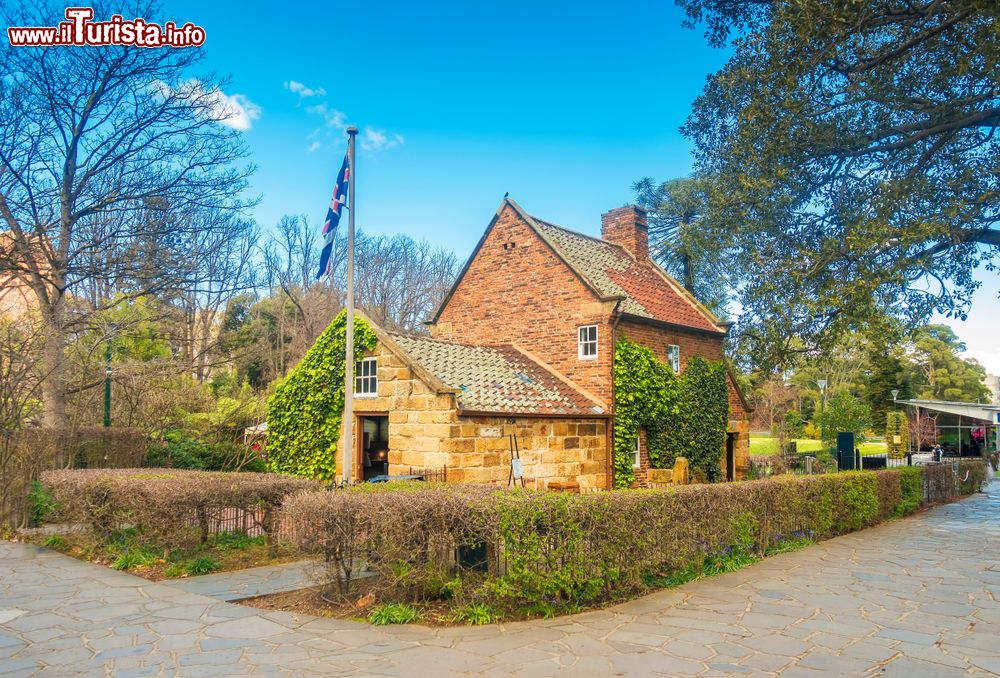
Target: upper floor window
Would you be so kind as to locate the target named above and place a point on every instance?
(366, 378)
(636, 451)
(674, 357)
(587, 347)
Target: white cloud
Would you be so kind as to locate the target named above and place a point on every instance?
(302, 90)
(332, 116)
(231, 110)
(236, 110)
(379, 140)
(314, 146)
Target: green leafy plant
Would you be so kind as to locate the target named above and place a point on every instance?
(42, 503)
(174, 570)
(133, 557)
(911, 479)
(201, 565)
(393, 613)
(476, 614)
(303, 415)
(237, 541)
(55, 541)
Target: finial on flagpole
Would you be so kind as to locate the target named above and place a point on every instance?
(351, 130)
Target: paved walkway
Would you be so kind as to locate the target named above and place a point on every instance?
(916, 597)
(249, 583)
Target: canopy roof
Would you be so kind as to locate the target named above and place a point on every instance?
(987, 412)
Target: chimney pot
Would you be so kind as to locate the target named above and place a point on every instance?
(627, 226)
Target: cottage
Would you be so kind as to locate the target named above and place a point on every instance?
(522, 349)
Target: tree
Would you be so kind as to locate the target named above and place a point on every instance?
(680, 240)
(844, 412)
(854, 160)
(100, 149)
(939, 373)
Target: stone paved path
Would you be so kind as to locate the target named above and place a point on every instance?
(255, 581)
(916, 597)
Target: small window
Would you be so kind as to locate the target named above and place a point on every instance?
(674, 357)
(635, 452)
(588, 342)
(366, 378)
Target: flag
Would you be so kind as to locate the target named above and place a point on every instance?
(337, 202)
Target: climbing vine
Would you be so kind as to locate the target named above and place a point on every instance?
(305, 412)
(683, 416)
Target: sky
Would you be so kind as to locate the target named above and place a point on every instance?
(562, 104)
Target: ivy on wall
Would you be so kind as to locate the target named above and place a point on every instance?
(683, 416)
(305, 412)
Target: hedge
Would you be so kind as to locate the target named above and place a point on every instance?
(565, 550)
(169, 507)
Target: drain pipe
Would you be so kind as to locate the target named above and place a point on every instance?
(616, 317)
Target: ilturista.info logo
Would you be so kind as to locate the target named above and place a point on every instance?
(80, 30)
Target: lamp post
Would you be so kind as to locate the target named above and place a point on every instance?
(107, 386)
(822, 406)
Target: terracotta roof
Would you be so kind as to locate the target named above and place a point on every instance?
(612, 272)
(498, 379)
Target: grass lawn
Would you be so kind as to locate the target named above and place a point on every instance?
(763, 443)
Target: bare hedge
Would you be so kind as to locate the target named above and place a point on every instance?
(170, 507)
(561, 548)
(25, 454)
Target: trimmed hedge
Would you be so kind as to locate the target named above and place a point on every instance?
(170, 507)
(565, 550)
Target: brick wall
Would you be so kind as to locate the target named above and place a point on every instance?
(518, 291)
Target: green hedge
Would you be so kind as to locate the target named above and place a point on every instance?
(550, 551)
(304, 414)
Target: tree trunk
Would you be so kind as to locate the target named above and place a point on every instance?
(53, 389)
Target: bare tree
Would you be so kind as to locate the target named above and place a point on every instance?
(100, 149)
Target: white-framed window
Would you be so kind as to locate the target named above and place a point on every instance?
(636, 452)
(366, 378)
(674, 357)
(587, 342)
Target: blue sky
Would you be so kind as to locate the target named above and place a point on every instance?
(563, 104)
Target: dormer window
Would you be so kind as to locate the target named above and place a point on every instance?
(674, 357)
(587, 342)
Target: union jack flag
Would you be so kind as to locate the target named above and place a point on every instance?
(337, 202)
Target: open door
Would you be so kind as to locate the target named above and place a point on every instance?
(730, 457)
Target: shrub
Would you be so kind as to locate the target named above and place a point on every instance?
(548, 551)
(897, 434)
(170, 507)
(41, 501)
(393, 613)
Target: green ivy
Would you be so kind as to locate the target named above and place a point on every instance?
(304, 414)
(645, 397)
(684, 416)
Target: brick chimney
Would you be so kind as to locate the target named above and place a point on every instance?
(626, 226)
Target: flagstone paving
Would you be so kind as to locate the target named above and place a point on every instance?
(915, 597)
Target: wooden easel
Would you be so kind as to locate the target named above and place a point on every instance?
(515, 461)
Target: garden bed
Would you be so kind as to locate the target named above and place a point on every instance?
(124, 550)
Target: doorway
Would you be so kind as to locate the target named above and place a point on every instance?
(373, 445)
(731, 457)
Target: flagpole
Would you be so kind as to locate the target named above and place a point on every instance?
(349, 349)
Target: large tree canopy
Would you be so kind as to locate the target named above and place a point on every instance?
(856, 161)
